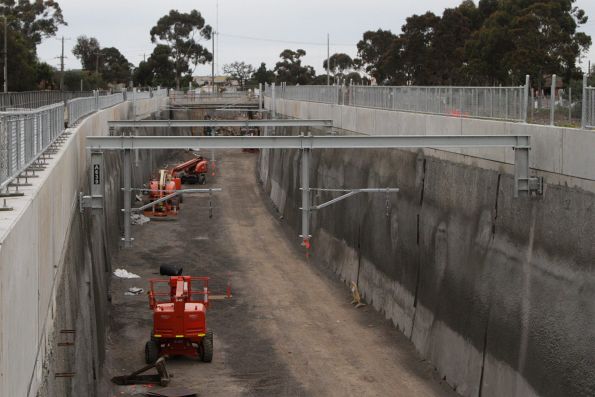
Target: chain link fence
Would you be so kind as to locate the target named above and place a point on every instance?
(24, 135)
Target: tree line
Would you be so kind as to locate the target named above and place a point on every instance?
(493, 42)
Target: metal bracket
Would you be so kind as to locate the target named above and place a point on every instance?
(94, 202)
(348, 193)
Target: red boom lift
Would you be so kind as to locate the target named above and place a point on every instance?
(179, 307)
(192, 171)
(160, 187)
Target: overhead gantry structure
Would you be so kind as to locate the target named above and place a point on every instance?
(524, 183)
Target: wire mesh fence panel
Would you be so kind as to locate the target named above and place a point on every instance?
(79, 108)
(137, 95)
(309, 93)
(589, 107)
(505, 103)
(160, 93)
(24, 135)
(110, 100)
(35, 99)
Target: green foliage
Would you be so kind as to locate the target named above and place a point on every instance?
(239, 71)
(21, 62)
(28, 23)
(72, 80)
(182, 32)
(87, 50)
(290, 69)
(378, 51)
(263, 75)
(113, 66)
(34, 20)
(158, 70)
(44, 77)
(493, 42)
(339, 63)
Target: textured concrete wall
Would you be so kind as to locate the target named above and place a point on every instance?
(51, 278)
(561, 151)
(498, 293)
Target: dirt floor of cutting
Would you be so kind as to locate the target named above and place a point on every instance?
(289, 329)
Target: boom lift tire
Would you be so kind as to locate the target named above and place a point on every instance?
(151, 352)
(170, 270)
(206, 348)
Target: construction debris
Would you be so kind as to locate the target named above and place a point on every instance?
(134, 291)
(162, 377)
(357, 298)
(123, 273)
(172, 392)
(139, 219)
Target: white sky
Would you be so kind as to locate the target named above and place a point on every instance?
(125, 24)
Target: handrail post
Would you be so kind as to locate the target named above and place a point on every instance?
(584, 104)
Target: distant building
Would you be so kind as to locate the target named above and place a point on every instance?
(222, 83)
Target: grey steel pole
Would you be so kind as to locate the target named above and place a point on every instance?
(5, 54)
(127, 197)
(328, 60)
(584, 104)
(569, 104)
(526, 98)
(213, 67)
(62, 66)
(305, 179)
(259, 96)
(553, 100)
(273, 104)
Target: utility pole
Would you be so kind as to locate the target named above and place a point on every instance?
(5, 54)
(328, 60)
(213, 66)
(62, 67)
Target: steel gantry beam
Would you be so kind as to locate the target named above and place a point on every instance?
(307, 142)
(524, 183)
(219, 123)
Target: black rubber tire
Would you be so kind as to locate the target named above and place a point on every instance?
(206, 351)
(202, 179)
(170, 270)
(151, 352)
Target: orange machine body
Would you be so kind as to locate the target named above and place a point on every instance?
(192, 171)
(165, 185)
(179, 307)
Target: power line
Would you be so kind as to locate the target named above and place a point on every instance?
(284, 41)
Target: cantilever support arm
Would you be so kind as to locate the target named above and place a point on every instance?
(350, 192)
(174, 194)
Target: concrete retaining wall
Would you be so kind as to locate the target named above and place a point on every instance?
(53, 271)
(555, 150)
(498, 293)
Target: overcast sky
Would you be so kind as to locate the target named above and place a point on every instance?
(253, 31)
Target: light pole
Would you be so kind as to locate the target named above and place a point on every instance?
(5, 54)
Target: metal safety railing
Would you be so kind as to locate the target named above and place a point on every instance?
(35, 99)
(588, 117)
(503, 103)
(107, 101)
(79, 108)
(160, 93)
(25, 135)
(135, 95)
(311, 93)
